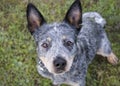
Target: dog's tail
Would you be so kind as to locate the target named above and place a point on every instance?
(96, 16)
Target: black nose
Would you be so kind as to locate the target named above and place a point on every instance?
(59, 63)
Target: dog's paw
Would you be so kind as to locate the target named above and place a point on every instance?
(112, 59)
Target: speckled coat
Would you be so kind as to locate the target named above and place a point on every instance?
(88, 41)
(85, 32)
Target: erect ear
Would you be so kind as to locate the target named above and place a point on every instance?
(34, 18)
(74, 15)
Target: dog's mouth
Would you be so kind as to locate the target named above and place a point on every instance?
(58, 66)
(59, 71)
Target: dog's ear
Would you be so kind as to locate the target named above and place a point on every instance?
(74, 15)
(34, 18)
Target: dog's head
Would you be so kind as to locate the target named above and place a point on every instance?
(56, 42)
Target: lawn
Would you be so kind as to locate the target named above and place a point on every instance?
(17, 47)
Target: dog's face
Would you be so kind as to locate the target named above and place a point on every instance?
(56, 46)
(56, 42)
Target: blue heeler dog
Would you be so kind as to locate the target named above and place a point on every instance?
(66, 49)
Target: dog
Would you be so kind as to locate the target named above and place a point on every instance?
(66, 49)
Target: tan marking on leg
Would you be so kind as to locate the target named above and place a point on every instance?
(72, 84)
(112, 58)
(100, 52)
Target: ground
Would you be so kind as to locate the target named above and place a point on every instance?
(17, 47)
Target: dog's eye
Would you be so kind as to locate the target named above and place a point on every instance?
(69, 43)
(44, 45)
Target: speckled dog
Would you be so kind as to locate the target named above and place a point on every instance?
(66, 49)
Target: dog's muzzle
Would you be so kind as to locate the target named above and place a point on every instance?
(59, 64)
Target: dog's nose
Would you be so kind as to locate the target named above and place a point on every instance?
(59, 63)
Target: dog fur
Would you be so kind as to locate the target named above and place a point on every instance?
(73, 44)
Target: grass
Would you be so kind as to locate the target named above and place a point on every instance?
(17, 48)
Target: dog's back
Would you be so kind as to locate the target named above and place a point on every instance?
(94, 39)
(88, 37)
(96, 17)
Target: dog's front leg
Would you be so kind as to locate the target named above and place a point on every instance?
(55, 85)
(77, 84)
(81, 83)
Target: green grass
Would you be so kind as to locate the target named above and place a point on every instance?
(17, 47)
